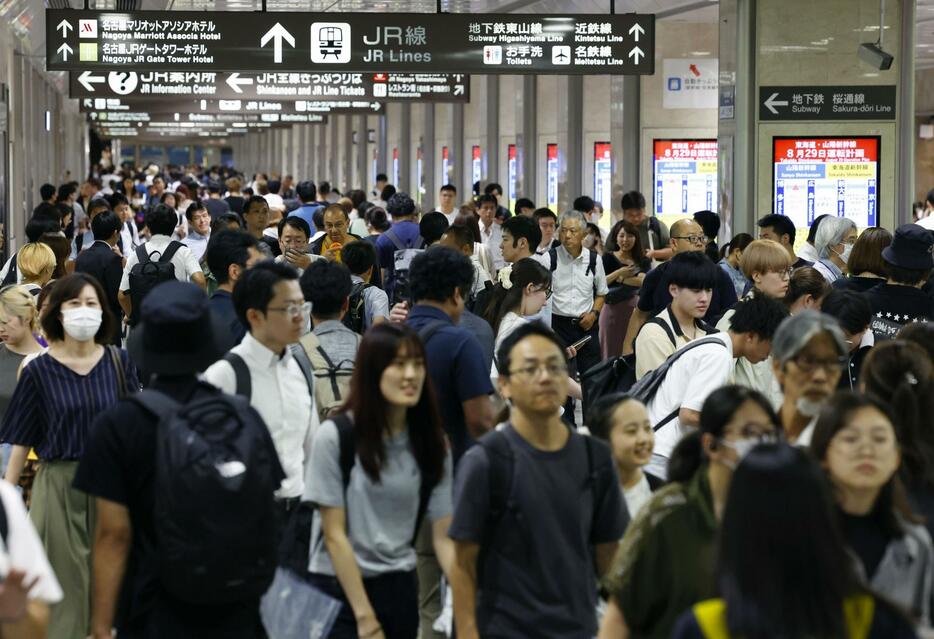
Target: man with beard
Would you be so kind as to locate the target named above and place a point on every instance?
(808, 355)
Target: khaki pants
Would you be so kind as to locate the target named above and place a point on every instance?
(65, 517)
(429, 583)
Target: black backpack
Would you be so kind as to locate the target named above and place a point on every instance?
(644, 390)
(296, 544)
(402, 257)
(147, 275)
(591, 265)
(355, 317)
(244, 380)
(215, 516)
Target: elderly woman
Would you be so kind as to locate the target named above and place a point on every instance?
(834, 241)
(808, 355)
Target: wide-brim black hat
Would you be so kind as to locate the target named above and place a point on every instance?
(178, 334)
(912, 247)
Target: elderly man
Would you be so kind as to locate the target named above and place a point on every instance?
(579, 290)
(808, 355)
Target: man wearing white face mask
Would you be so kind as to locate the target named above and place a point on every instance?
(808, 356)
(58, 396)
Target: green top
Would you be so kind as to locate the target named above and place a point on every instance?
(666, 560)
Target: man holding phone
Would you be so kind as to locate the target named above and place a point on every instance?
(579, 291)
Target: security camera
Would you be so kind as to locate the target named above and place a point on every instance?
(873, 55)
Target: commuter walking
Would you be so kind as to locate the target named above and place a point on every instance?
(58, 396)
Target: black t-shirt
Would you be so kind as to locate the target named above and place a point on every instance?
(858, 284)
(894, 306)
(654, 295)
(235, 202)
(119, 466)
(866, 536)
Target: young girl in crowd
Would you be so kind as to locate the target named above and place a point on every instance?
(58, 396)
(856, 444)
(363, 535)
(806, 290)
(625, 267)
(666, 561)
(783, 569)
(624, 423)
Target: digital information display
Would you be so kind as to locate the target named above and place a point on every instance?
(551, 154)
(475, 164)
(685, 178)
(834, 176)
(603, 175)
(513, 171)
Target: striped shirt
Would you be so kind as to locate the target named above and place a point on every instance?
(52, 407)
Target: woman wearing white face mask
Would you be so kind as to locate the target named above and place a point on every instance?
(57, 397)
(834, 241)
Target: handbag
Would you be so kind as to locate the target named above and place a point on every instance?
(294, 609)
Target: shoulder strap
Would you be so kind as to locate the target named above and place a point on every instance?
(114, 354)
(424, 496)
(592, 265)
(242, 372)
(4, 525)
(553, 256)
(670, 333)
(154, 402)
(421, 242)
(348, 450)
(141, 255)
(301, 358)
(170, 251)
(428, 330)
(79, 242)
(391, 234)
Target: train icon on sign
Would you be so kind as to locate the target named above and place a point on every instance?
(330, 42)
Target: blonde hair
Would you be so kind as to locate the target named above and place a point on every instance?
(234, 184)
(764, 256)
(35, 261)
(16, 301)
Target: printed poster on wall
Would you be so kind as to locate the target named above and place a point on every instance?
(690, 83)
(834, 176)
(685, 178)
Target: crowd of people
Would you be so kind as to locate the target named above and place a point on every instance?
(259, 407)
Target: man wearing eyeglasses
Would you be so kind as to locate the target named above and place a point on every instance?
(654, 296)
(808, 355)
(263, 368)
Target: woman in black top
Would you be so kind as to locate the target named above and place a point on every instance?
(625, 267)
(865, 263)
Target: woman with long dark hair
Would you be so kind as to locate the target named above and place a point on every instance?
(856, 444)
(730, 254)
(362, 549)
(625, 265)
(783, 568)
(665, 563)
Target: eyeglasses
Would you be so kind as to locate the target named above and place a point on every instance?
(693, 239)
(786, 274)
(552, 370)
(294, 309)
(809, 365)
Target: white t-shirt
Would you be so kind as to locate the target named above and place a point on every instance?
(690, 380)
(23, 549)
(637, 496)
(184, 260)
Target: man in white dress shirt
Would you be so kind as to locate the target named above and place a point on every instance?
(491, 233)
(269, 299)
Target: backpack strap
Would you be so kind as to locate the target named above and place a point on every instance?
(348, 450)
(424, 496)
(79, 242)
(242, 372)
(154, 402)
(660, 322)
(331, 369)
(114, 353)
(428, 330)
(301, 358)
(170, 251)
(396, 241)
(141, 255)
(501, 461)
(4, 525)
(553, 256)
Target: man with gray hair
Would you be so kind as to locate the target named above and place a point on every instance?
(579, 287)
(808, 355)
(834, 241)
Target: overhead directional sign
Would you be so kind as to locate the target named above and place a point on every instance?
(385, 87)
(362, 42)
(876, 102)
(197, 119)
(187, 105)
